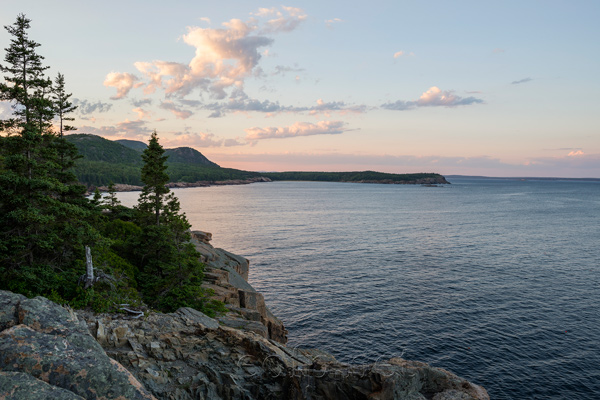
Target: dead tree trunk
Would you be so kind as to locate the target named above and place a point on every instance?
(89, 266)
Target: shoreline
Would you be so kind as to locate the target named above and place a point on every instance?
(240, 355)
(122, 187)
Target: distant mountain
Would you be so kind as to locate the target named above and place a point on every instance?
(120, 161)
(133, 144)
(96, 148)
(187, 155)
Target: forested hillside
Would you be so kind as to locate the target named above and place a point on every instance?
(120, 161)
(106, 161)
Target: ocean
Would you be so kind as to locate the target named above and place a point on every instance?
(496, 280)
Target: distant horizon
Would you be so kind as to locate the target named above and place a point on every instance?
(375, 170)
(387, 86)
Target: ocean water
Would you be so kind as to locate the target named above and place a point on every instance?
(497, 281)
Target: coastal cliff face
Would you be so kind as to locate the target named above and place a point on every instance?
(226, 274)
(47, 351)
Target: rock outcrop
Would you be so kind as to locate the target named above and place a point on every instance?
(187, 355)
(46, 352)
(226, 274)
(50, 352)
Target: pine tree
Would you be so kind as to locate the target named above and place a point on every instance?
(25, 78)
(171, 271)
(43, 214)
(154, 177)
(111, 201)
(62, 105)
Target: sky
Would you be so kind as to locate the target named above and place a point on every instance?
(504, 88)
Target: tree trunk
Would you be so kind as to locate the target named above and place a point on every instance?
(89, 266)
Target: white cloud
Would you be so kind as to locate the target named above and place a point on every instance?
(123, 82)
(329, 22)
(399, 54)
(126, 129)
(187, 139)
(142, 113)
(433, 97)
(575, 153)
(297, 129)
(282, 22)
(224, 57)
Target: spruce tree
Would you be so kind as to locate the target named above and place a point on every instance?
(62, 105)
(43, 212)
(111, 201)
(25, 77)
(171, 271)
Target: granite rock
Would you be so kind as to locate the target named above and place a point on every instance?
(180, 357)
(48, 342)
(226, 275)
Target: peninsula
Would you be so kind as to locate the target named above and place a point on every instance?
(119, 161)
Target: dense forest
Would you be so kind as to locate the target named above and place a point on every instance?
(119, 161)
(55, 241)
(106, 161)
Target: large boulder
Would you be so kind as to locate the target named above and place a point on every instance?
(47, 342)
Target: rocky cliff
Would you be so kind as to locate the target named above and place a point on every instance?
(226, 275)
(47, 351)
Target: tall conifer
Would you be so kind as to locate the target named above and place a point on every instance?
(171, 270)
(43, 212)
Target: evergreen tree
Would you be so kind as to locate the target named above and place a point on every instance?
(62, 105)
(154, 177)
(171, 271)
(25, 78)
(111, 201)
(43, 212)
(97, 197)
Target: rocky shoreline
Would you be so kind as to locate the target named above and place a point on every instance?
(122, 187)
(48, 351)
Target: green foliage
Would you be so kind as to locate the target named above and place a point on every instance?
(46, 221)
(44, 218)
(119, 161)
(62, 106)
(171, 273)
(111, 201)
(357, 176)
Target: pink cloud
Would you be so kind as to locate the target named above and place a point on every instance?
(123, 82)
(297, 129)
(177, 111)
(433, 97)
(125, 129)
(142, 113)
(223, 58)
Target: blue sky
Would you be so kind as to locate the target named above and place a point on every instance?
(464, 87)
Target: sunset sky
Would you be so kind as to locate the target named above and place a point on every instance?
(505, 88)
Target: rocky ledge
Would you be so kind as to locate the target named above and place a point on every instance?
(48, 351)
(122, 187)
